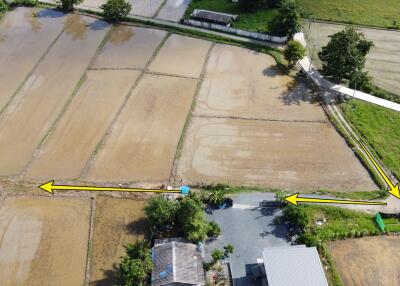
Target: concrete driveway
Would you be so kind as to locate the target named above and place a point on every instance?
(249, 229)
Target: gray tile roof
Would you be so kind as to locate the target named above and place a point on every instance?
(177, 262)
(294, 266)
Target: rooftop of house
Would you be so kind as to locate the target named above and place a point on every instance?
(177, 262)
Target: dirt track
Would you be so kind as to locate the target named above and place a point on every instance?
(368, 260)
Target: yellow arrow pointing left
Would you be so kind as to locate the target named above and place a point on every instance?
(50, 187)
(295, 199)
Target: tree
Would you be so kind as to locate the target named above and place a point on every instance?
(345, 54)
(160, 212)
(116, 10)
(250, 5)
(288, 21)
(191, 218)
(68, 5)
(3, 7)
(136, 265)
(293, 52)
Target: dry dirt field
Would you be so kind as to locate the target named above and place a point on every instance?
(368, 260)
(383, 62)
(43, 241)
(146, 8)
(251, 126)
(117, 222)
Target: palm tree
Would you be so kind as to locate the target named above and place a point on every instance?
(216, 197)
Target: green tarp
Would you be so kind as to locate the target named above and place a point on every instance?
(379, 222)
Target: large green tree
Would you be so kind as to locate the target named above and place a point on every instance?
(160, 212)
(116, 10)
(293, 52)
(345, 55)
(136, 265)
(288, 21)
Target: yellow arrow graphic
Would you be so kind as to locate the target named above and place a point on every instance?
(393, 189)
(295, 199)
(51, 187)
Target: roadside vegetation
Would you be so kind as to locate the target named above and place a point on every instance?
(379, 127)
(320, 224)
(116, 10)
(362, 12)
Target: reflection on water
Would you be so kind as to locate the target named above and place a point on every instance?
(121, 34)
(31, 17)
(76, 27)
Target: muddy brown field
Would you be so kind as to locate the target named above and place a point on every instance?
(383, 62)
(30, 115)
(43, 241)
(129, 47)
(145, 152)
(102, 94)
(241, 83)
(368, 260)
(117, 222)
(295, 156)
(182, 56)
(25, 34)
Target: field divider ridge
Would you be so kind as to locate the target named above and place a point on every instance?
(66, 105)
(89, 253)
(189, 116)
(260, 119)
(103, 139)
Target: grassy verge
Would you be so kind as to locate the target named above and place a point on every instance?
(379, 127)
(257, 21)
(362, 12)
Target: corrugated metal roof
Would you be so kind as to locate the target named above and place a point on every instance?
(294, 266)
(177, 262)
(213, 16)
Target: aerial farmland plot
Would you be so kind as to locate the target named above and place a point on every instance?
(86, 102)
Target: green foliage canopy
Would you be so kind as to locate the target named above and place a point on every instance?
(116, 10)
(294, 51)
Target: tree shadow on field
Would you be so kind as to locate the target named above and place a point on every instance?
(111, 277)
(297, 93)
(138, 227)
(271, 71)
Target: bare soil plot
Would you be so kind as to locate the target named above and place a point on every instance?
(117, 222)
(295, 156)
(129, 47)
(181, 56)
(241, 83)
(83, 125)
(25, 34)
(173, 10)
(368, 260)
(37, 105)
(43, 241)
(143, 141)
(383, 62)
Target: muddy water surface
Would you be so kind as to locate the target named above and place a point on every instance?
(25, 35)
(129, 47)
(29, 116)
(83, 125)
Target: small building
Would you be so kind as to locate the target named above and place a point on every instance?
(177, 264)
(213, 17)
(293, 265)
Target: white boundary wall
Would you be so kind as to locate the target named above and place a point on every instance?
(319, 80)
(253, 35)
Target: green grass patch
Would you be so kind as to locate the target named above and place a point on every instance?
(379, 127)
(339, 223)
(362, 195)
(362, 12)
(256, 21)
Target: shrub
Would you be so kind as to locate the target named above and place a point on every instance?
(3, 7)
(293, 52)
(213, 229)
(216, 197)
(217, 255)
(68, 5)
(116, 10)
(228, 249)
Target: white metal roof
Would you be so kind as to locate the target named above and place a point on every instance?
(294, 266)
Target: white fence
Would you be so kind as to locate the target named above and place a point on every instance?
(253, 35)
